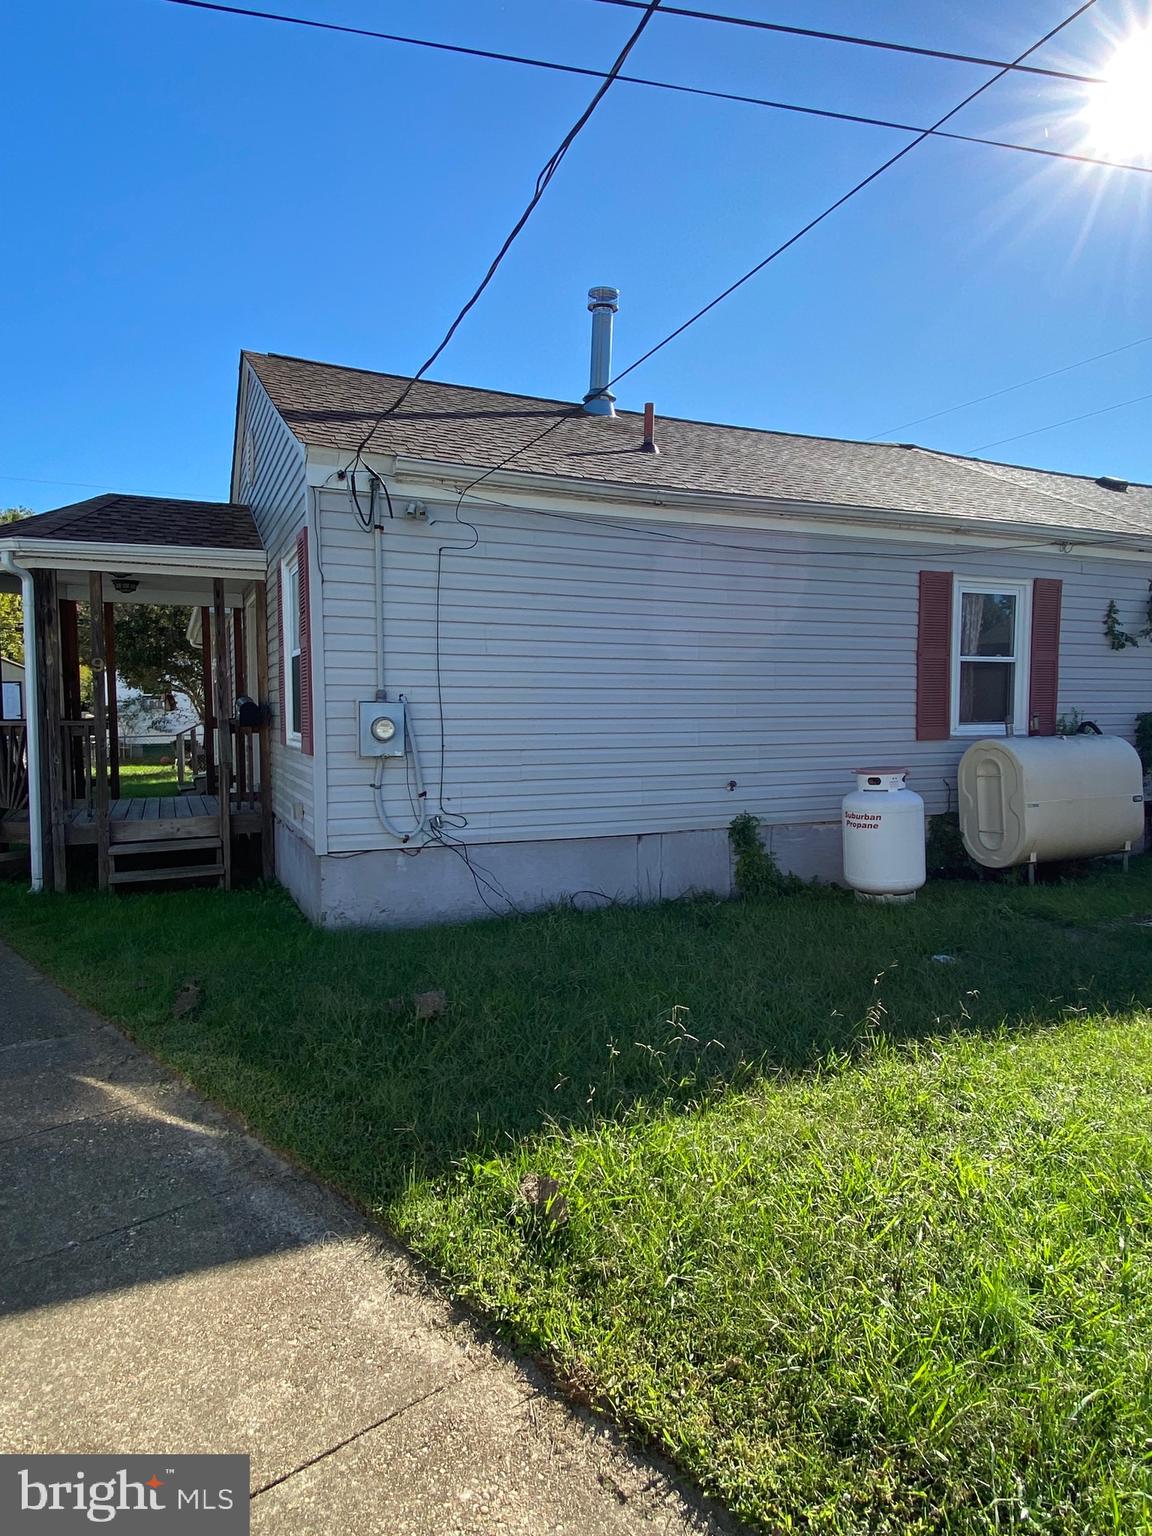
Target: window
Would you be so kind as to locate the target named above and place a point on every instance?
(290, 620)
(990, 662)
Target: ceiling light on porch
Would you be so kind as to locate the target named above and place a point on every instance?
(125, 583)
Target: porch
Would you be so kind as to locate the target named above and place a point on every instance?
(60, 772)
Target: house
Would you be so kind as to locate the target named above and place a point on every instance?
(11, 689)
(151, 725)
(588, 637)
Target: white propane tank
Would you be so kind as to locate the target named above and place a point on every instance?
(883, 825)
(1024, 799)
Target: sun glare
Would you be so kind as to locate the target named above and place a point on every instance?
(1118, 116)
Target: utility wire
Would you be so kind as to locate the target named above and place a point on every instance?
(862, 42)
(551, 166)
(1052, 425)
(661, 85)
(846, 197)
(1009, 389)
(752, 272)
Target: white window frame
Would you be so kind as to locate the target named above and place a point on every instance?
(289, 632)
(1022, 591)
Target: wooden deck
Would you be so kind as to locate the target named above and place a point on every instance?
(140, 819)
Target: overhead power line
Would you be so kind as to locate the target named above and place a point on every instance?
(846, 197)
(861, 42)
(1052, 425)
(556, 67)
(771, 257)
(551, 166)
(1009, 389)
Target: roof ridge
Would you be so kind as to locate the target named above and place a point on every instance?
(692, 421)
(508, 394)
(988, 469)
(1028, 469)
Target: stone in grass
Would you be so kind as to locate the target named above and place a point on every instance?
(190, 996)
(544, 1198)
(430, 1005)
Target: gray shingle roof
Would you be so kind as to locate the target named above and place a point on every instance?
(333, 407)
(115, 519)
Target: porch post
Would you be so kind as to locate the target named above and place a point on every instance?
(223, 735)
(75, 765)
(209, 698)
(267, 825)
(113, 703)
(100, 722)
(52, 735)
(239, 686)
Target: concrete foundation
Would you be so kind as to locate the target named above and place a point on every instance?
(386, 888)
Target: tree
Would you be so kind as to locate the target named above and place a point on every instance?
(11, 609)
(153, 652)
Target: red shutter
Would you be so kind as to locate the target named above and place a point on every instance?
(282, 668)
(305, 721)
(934, 657)
(1044, 672)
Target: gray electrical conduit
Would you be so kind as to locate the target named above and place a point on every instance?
(31, 714)
(423, 816)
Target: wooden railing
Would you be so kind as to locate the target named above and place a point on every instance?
(186, 748)
(78, 739)
(13, 765)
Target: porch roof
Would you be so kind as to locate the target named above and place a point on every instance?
(151, 520)
(143, 536)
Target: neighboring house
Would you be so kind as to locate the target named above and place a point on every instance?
(148, 728)
(11, 689)
(607, 651)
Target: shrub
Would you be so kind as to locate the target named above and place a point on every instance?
(1144, 739)
(757, 874)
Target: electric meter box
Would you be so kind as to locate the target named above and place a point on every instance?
(382, 728)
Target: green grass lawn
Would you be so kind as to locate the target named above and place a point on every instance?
(861, 1236)
(147, 779)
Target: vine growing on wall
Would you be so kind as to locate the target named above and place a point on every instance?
(1119, 639)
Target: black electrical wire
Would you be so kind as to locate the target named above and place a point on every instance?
(1067, 421)
(551, 166)
(832, 208)
(786, 245)
(860, 42)
(1039, 378)
(769, 103)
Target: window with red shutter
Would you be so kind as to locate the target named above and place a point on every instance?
(304, 716)
(296, 649)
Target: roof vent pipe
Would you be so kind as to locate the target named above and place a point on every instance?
(600, 401)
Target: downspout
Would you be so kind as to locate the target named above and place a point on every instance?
(31, 713)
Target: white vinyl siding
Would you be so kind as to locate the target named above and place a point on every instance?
(278, 497)
(598, 680)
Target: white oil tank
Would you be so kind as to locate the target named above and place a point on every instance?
(883, 829)
(1024, 799)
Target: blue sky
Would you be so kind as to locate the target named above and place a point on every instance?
(179, 185)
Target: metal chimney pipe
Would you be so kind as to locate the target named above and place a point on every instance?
(600, 401)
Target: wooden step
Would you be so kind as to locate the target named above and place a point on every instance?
(169, 845)
(177, 872)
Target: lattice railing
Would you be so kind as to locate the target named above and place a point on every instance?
(13, 766)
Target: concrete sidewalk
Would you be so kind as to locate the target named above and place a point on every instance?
(167, 1284)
